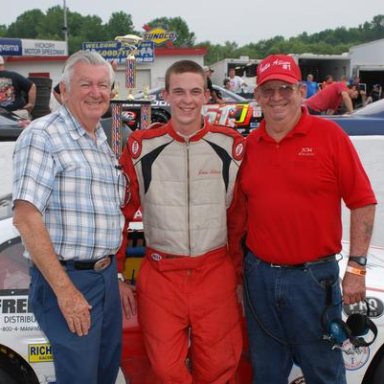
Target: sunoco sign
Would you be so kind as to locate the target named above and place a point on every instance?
(159, 35)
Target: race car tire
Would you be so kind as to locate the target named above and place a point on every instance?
(159, 116)
(14, 369)
(6, 378)
(378, 376)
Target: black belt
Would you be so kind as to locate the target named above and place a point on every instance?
(325, 259)
(97, 265)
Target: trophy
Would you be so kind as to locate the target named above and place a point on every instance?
(129, 45)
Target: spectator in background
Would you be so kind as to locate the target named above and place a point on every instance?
(327, 81)
(17, 93)
(227, 84)
(375, 94)
(312, 86)
(237, 83)
(361, 98)
(329, 99)
(216, 97)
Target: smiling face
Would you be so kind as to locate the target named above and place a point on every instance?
(281, 104)
(88, 95)
(186, 95)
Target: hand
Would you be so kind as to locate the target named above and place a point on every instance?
(76, 311)
(29, 107)
(23, 123)
(353, 288)
(128, 301)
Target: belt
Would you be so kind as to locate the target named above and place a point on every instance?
(96, 265)
(323, 260)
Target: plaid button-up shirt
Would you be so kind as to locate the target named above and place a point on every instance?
(73, 181)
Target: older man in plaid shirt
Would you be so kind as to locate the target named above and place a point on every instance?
(67, 208)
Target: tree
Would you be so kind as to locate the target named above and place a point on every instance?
(120, 24)
(34, 24)
(26, 25)
(185, 38)
(53, 25)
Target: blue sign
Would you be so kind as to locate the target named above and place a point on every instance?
(114, 50)
(10, 47)
(145, 52)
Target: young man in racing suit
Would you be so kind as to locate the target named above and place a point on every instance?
(182, 174)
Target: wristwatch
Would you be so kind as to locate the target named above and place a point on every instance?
(361, 260)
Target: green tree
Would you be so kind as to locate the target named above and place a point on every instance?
(27, 25)
(34, 24)
(52, 27)
(120, 24)
(185, 38)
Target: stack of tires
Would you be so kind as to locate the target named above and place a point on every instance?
(43, 96)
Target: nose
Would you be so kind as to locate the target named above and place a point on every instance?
(95, 90)
(188, 97)
(276, 94)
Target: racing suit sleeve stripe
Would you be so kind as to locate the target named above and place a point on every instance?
(129, 209)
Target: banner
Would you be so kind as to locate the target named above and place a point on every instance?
(10, 47)
(114, 50)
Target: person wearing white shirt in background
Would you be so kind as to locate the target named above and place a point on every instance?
(237, 83)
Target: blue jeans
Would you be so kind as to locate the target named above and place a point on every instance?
(94, 358)
(284, 309)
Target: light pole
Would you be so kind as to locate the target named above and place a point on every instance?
(65, 27)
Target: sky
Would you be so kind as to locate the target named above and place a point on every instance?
(242, 22)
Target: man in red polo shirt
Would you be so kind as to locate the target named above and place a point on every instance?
(297, 169)
(329, 99)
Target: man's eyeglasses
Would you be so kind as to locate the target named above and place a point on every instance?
(284, 91)
(122, 187)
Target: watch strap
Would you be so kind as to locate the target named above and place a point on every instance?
(361, 260)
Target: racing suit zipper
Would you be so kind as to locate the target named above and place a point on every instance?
(188, 199)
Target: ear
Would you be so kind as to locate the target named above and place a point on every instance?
(63, 91)
(256, 94)
(303, 90)
(164, 94)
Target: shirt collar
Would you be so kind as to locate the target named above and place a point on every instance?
(301, 128)
(75, 129)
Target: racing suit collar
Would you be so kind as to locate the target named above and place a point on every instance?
(194, 137)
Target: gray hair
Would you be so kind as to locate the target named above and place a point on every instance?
(88, 57)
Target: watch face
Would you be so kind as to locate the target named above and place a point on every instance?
(361, 260)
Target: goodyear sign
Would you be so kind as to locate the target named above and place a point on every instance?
(114, 50)
(159, 35)
(40, 353)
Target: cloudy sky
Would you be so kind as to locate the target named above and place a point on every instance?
(241, 21)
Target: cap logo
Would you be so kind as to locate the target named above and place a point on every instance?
(156, 257)
(286, 65)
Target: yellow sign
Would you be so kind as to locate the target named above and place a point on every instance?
(40, 353)
(159, 35)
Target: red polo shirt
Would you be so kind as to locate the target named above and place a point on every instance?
(294, 190)
(328, 98)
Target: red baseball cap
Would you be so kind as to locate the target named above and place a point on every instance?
(278, 67)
